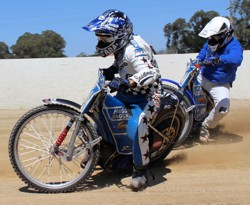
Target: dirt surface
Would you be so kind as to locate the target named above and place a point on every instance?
(215, 173)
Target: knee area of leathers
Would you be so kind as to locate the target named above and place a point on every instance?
(223, 106)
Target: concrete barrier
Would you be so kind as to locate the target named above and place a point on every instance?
(25, 82)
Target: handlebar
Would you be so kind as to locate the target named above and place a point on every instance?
(203, 63)
(207, 62)
(198, 64)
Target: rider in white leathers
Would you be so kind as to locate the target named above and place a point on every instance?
(139, 84)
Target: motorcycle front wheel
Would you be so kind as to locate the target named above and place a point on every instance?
(32, 156)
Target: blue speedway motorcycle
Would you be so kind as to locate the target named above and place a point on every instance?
(195, 100)
(56, 147)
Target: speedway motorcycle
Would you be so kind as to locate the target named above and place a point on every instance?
(56, 147)
(196, 101)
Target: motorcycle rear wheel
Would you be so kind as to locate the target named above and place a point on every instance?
(185, 105)
(31, 157)
(170, 124)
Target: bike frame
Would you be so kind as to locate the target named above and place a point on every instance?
(102, 111)
(185, 88)
(101, 108)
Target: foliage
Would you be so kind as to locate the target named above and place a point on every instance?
(94, 54)
(241, 10)
(192, 42)
(45, 45)
(4, 51)
(82, 54)
(182, 37)
(174, 34)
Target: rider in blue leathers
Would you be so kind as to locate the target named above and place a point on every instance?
(223, 54)
(138, 84)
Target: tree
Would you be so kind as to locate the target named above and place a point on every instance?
(191, 40)
(45, 45)
(4, 51)
(82, 54)
(94, 54)
(174, 34)
(53, 44)
(241, 11)
(161, 51)
(182, 36)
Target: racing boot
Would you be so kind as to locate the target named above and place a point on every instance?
(205, 135)
(140, 178)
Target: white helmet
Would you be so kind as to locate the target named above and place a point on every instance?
(218, 31)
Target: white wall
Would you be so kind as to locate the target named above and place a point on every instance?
(25, 82)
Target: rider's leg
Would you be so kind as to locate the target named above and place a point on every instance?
(221, 97)
(138, 132)
(137, 128)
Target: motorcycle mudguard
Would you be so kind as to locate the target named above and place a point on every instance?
(187, 92)
(59, 101)
(170, 81)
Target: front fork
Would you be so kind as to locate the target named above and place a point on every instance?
(71, 148)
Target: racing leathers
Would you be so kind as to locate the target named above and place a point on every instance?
(136, 61)
(217, 79)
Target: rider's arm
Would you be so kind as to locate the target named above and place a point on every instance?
(146, 73)
(233, 54)
(144, 77)
(110, 72)
(202, 54)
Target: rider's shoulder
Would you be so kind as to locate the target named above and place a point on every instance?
(135, 48)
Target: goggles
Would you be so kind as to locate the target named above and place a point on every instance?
(215, 40)
(105, 38)
(215, 37)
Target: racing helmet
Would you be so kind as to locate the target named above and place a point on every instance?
(113, 29)
(218, 31)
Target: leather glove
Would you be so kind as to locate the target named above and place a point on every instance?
(109, 73)
(196, 61)
(211, 61)
(118, 84)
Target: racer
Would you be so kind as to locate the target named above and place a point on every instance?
(222, 54)
(138, 85)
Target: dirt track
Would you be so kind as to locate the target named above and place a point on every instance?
(218, 173)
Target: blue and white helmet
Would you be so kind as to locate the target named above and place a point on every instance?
(113, 29)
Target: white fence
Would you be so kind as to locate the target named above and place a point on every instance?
(25, 82)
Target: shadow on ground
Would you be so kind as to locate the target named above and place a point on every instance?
(105, 179)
